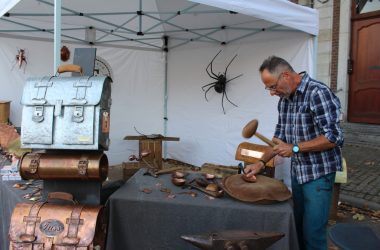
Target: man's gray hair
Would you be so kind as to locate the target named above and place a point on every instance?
(275, 65)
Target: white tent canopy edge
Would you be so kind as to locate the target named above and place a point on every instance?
(6, 5)
(277, 11)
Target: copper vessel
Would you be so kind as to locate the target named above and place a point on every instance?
(264, 190)
(44, 225)
(64, 166)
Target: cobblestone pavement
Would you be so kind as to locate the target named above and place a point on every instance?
(363, 170)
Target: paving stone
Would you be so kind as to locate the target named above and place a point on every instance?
(363, 164)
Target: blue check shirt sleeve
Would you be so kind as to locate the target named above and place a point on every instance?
(327, 109)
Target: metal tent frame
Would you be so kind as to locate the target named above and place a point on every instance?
(130, 28)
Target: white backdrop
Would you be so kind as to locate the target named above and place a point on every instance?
(206, 134)
(137, 90)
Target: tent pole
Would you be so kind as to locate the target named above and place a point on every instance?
(315, 57)
(57, 34)
(165, 50)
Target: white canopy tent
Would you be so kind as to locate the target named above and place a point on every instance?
(159, 92)
(143, 22)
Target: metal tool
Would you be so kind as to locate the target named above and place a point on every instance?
(234, 240)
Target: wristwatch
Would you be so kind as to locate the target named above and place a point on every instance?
(295, 149)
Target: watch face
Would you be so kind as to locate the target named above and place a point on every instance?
(296, 149)
(102, 67)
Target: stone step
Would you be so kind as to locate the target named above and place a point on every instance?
(361, 134)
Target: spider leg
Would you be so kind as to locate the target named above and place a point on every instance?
(224, 92)
(234, 78)
(208, 85)
(207, 91)
(212, 76)
(224, 112)
(210, 65)
(225, 72)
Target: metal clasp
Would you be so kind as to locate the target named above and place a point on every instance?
(38, 114)
(82, 167)
(78, 114)
(34, 164)
(58, 108)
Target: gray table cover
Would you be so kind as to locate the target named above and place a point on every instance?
(140, 221)
(9, 196)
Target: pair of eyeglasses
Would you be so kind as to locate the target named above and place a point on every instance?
(274, 86)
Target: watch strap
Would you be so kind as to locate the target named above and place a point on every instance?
(263, 162)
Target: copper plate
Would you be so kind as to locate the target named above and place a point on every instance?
(264, 191)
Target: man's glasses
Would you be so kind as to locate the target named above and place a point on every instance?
(274, 86)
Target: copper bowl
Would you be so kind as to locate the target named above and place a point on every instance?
(178, 174)
(209, 176)
(178, 181)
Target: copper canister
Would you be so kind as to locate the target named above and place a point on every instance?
(4, 111)
(64, 166)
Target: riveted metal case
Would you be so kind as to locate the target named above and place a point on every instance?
(66, 113)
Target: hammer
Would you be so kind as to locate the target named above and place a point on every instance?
(250, 130)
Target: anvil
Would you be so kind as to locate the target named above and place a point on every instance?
(234, 240)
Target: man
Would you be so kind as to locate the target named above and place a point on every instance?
(309, 132)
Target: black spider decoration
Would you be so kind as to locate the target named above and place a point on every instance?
(221, 81)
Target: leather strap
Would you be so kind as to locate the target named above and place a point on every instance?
(31, 220)
(34, 163)
(48, 243)
(73, 224)
(83, 165)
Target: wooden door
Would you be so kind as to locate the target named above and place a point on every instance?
(364, 91)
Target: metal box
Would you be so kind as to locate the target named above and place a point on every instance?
(66, 113)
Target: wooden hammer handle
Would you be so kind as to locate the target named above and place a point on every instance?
(265, 139)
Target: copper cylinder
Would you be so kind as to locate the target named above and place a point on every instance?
(4, 111)
(64, 166)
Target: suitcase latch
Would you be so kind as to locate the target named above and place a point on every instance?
(58, 108)
(82, 167)
(38, 114)
(78, 114)
(34, 164)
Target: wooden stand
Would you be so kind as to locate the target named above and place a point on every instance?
(154, 145)
(251, 153)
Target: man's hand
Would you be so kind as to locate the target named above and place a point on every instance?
(252, 169)
(283, 149)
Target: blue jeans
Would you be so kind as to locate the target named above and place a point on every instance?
(311, 211)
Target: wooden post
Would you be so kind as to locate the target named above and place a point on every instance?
(154, 145)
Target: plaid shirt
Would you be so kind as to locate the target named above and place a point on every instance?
(313, 110)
